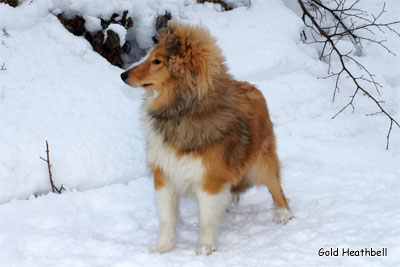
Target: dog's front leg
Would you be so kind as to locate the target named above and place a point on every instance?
(167, 200)
(211, 207)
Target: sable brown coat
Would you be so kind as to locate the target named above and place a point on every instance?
(199, 112)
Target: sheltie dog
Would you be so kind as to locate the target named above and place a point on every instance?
(208, 135)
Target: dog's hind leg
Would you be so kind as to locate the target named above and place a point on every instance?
(266, 171)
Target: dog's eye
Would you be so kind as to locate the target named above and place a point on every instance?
(156, 61)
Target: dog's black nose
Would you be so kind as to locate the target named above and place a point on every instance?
(124, 76)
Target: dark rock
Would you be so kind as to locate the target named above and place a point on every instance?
(106, 23)
(75, 25)
(224, 5)
(13, 3)
(126, 21)
(110, 47)
(161, 22)
(112, 41)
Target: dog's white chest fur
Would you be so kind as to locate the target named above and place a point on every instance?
(184, 172)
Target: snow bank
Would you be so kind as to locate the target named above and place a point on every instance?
(56, 88)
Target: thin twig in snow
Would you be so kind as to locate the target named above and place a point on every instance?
(47, 160)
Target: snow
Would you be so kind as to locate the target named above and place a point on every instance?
(118, 29)
(343, 185)
(93, 25)
(56, 88)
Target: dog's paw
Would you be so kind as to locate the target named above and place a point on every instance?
(162, 248)
(282, 215)
(205, 249)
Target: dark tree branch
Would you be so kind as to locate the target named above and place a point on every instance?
(348, 22)
(337, 19)
(47, 160)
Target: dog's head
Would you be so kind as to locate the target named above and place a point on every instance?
(185, 58)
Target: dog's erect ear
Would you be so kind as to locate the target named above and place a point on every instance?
(173, 46)
(173, 42)
(193, 54)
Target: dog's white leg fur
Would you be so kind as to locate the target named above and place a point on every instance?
(211, 207)
(282, 215)
(167, 200)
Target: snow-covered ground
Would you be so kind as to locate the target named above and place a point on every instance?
(344, 187)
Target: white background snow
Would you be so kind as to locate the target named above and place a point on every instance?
(344, 187)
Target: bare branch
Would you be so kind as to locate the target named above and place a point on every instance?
(47, 160)
(388, 134)
(373, 114)
(347, 23)
(338, 19)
